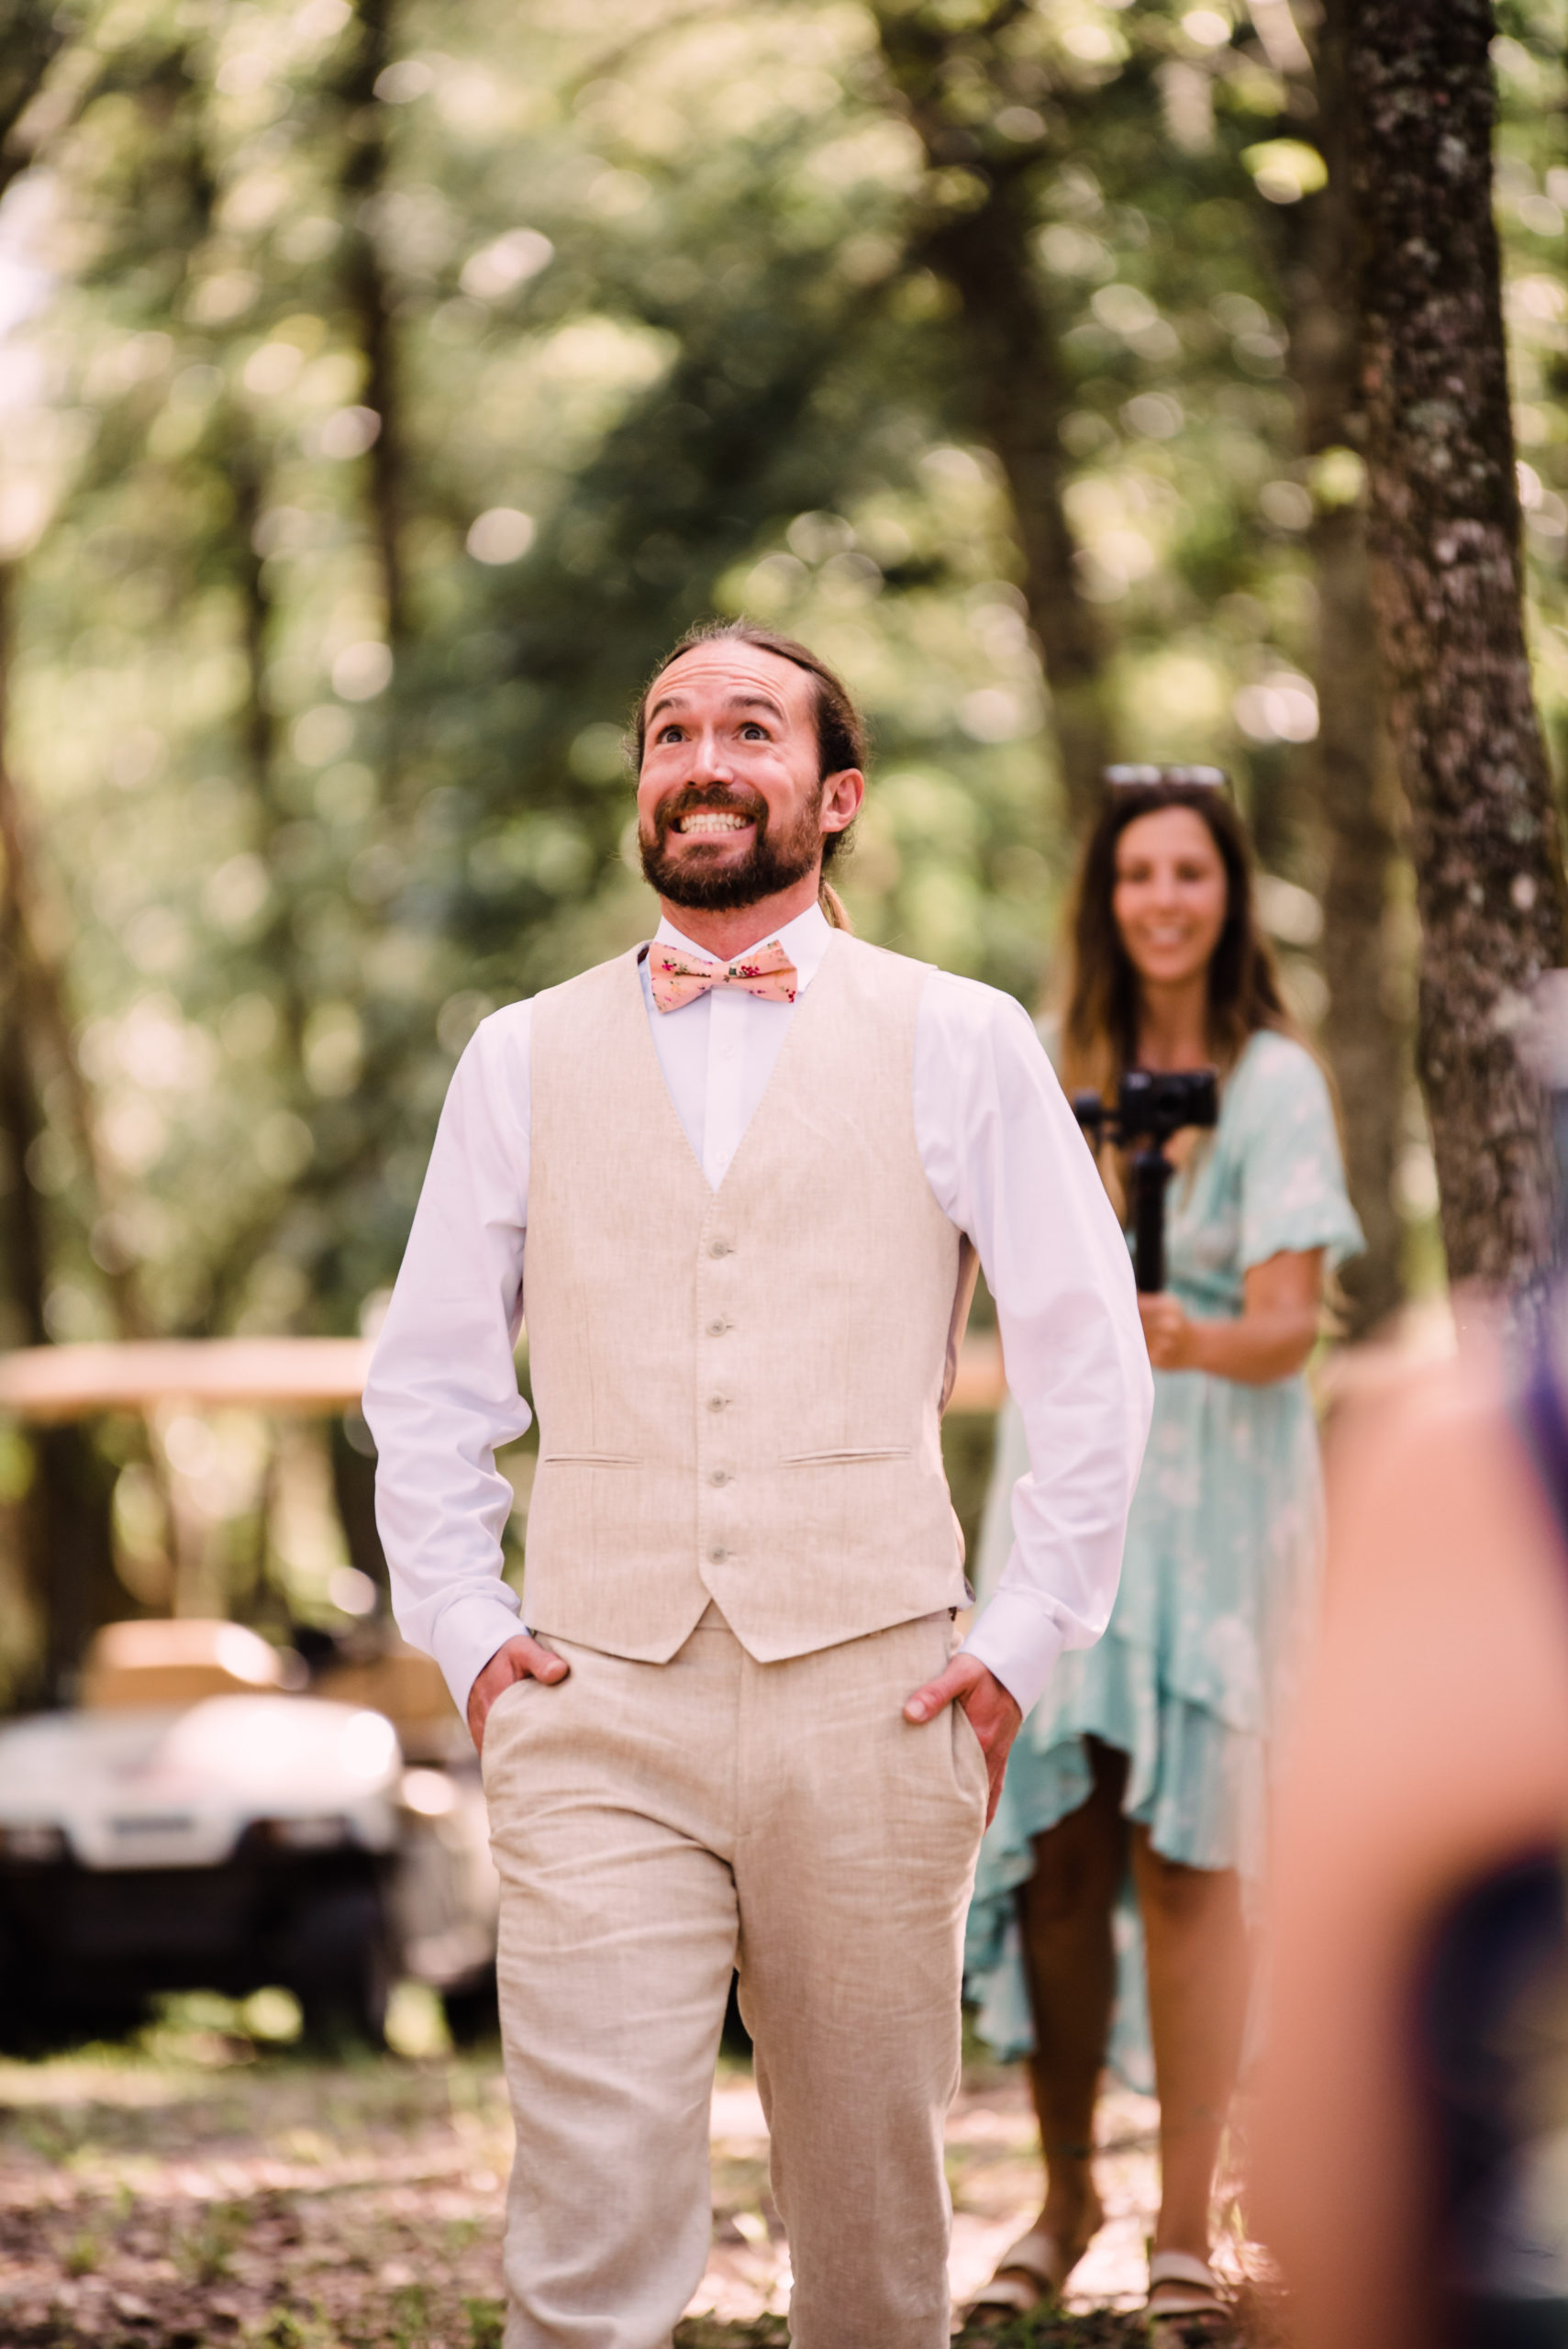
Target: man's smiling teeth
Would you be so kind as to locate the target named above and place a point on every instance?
(710, 819)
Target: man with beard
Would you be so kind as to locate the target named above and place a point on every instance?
(738, 1179)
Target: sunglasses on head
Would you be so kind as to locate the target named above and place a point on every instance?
(1139, 779)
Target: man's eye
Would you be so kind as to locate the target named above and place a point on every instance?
(668, 734)
(752, 732)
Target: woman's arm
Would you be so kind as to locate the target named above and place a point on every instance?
(1433, 1750)
(1277, 1330)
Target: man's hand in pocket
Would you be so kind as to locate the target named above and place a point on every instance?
(993, 1714)
(521, 1659)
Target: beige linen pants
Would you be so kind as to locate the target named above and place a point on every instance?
(656, 1825)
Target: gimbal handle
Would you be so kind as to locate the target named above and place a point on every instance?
(1151, 1172)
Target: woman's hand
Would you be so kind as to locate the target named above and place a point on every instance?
(1167, 1332)
(1270, 1339)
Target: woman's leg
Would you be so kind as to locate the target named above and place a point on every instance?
(1065, 1912)
(1197, 1947)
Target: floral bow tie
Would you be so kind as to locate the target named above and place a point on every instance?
(680, 977)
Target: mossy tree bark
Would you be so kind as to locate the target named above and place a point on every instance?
(1367, 1039)
(1446, 592)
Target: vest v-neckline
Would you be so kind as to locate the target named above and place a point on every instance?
(788, 1050)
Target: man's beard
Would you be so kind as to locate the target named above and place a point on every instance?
(709, 885)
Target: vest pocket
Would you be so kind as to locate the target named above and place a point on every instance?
(590, 1460)
(832, 1459)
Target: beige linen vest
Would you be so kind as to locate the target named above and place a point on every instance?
(739, 1391)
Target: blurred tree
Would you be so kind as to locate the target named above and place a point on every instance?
(31, 38)
(1355, 793)
(364, 53)
(66, 1552)
(974, 90)
(1447, 589)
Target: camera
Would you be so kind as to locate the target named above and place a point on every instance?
(1150, 1106)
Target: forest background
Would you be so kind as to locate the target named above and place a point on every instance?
(383, 386)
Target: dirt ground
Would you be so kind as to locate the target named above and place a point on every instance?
(202, 2186)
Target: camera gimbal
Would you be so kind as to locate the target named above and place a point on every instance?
(1152, 1106)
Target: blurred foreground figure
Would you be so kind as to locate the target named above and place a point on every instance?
(1157, 1749)
(738, 1178)
(1413, 2143)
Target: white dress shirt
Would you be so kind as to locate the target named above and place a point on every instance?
(1006, 1164)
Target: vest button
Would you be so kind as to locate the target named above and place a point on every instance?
(716, 1402)
(720, 1248)
(718, 1476)
(718, 1556)
(716, 1328)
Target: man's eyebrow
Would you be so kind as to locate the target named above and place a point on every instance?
(735, 701)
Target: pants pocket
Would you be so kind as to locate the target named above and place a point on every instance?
(969, 1766)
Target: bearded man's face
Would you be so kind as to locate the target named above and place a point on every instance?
(729, 799)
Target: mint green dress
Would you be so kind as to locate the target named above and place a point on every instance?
(1220, 1577)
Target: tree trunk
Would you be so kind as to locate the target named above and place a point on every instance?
(1019, 399)
(40, 1006)
(1365, 1030)
(66, 1544)
(1012, 378)
(31, 37)
(258, 729)
(353, 1475)
(1444, 537)
(68, 1547)
(363, 181)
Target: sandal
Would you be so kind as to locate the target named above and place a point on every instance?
(1187, 2302)
(1028, 2275)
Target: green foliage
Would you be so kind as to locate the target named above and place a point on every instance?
(486, 2323)
(287, 2328)
(205, 2250)
(403, 379)
(657, 285)
(83, 2253)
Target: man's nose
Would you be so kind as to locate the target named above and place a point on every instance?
(709, 761)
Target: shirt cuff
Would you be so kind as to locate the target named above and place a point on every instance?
(1019, 1642)
(468, 1634)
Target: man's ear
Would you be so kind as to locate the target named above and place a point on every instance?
(843, 795)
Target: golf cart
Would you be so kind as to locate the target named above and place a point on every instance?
(210, 1815)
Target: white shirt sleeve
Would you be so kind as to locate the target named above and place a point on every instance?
(442, 1392)
(1006, 1164)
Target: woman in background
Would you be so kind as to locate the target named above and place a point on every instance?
(1154, 1749)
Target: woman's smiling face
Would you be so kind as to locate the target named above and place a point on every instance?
(1169, 896)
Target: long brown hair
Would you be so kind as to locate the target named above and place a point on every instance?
(842, 738)
(1100, 1029)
